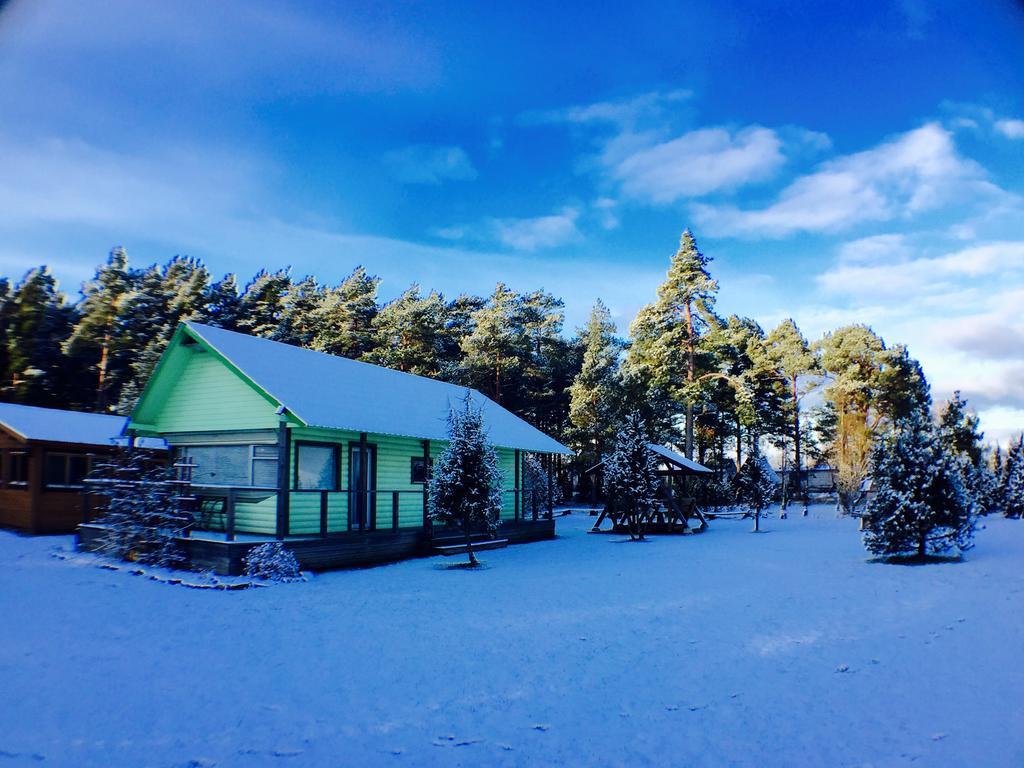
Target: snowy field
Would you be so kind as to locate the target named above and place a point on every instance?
(780, 649)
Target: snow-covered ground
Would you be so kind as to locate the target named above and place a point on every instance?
(784, 648)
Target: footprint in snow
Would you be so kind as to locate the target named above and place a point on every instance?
(541, 727)
(843, 668)
(939, 736)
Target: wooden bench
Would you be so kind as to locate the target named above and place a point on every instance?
(478, 546)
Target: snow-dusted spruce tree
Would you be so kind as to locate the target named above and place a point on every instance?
(920, 506)
(961, 438)
(271, 562)
(535, 487)
(465, 483)
(753, 487)
(141, 509)
(1011, 485)
(630, 479)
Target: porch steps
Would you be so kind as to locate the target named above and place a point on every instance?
(458, 547)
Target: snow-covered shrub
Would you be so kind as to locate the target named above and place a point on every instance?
(142, 511)
(465, 484)
(271, 562)
(920, 506)
(753, 487)
(630, 479)
(536, 497)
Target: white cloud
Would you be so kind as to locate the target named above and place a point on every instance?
(699, 162)
(530, 234)
(881, 266)
(622, 113)
(1010, 128)
(914, 172)
(425, 164)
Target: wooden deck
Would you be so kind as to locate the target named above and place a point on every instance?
(343, 550)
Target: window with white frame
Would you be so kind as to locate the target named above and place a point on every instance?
(236, 465)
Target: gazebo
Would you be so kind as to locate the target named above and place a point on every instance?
(673, 510)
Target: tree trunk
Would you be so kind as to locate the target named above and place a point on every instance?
(796, 441)
(101, 384)
(757, 521)
(691, 372)
(469, 551)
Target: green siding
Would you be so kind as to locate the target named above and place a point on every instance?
(208, 396)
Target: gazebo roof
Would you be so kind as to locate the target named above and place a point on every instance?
(677, 463)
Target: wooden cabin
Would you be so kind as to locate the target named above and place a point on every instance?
(45, 454)
(329, 455)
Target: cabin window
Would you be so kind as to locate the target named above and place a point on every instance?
(420, 469)
(235, 465)
(17, 468)
(316, 467)
(65, 470)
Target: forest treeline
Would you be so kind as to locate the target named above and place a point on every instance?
(717, 386)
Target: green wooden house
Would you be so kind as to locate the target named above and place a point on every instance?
(327, 454)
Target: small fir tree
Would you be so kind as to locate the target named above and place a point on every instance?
(465, 483)
(1011, 485)
(630, 479)
(920, 507)
(753, 488)
(535, 487)
(143, 514)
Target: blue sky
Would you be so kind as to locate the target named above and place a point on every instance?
(860, 163)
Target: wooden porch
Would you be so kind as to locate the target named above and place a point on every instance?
(212, 551)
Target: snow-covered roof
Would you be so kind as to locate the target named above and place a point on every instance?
(324, 390)
(53, 425)
(679, 460)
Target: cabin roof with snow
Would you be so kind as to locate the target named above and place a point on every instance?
(676, 462)
(315, 389)
(53, 425)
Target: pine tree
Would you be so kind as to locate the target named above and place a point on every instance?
(920, 507)
(262, 304)
(96, 334)
(536, 497)
(223, 304)
(494, 349)
(162, 298)
(344, 320)
(794, 360)
(871, 387)
(38, 321)
(592, 394)
(408, 333)
(465, 482)
(630, 479)
(300, 306)
(668, 335)
(753, 487)
(1011, 485)
(959, 433)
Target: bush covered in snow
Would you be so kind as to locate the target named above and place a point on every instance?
(271, 562)
(920, 506)
(630, 482)
(141, 509)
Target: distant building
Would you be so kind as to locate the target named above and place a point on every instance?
(45, 454)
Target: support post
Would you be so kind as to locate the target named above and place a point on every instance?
(426, 486)
(364, 485)
(394, 510)
(283, 467)
(323, 514)
(515, 488)
(229, 511)
(551, 487)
